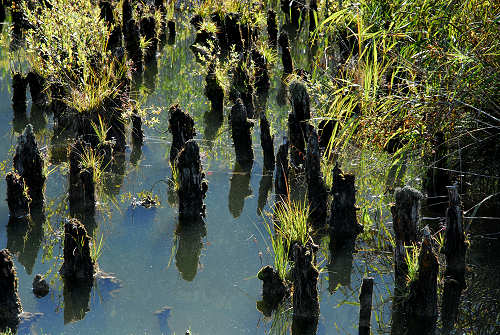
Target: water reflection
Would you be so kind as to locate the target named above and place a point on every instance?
(190, 235)
(239, 190)
(213, 122)
(340, 266)
(151, 76)
(265, 187)
(76, 300)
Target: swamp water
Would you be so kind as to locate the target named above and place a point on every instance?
(164, 280)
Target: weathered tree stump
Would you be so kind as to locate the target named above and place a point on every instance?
(297, 142)
(193, 186)
(19, 87)
(241, 87)
(286, 56)
(28, 162)
(181, 125)
(232, 24)
(365, 306)
(267, 143)
(40, 286)
(132, 35)
(405, 220)
(422, 297)
(218, 19)
(281, 180)
(325, 132)
(455, 249)
(261, 75)
(317, 195)
(137, 133)
(10, 304)
(214, 91)
(343, 222)
(37, 89)
(171, 32)
(274, 289)
(300, 102)
(148, 31)
(313, 12)
(18, 198)
(106, 8)
(78, 265)
(126, 13)
(188, 253)
(298, 128)
(242, 137)
(272, 29)
(305, 279)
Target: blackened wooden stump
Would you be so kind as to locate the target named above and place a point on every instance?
(267, 143)
(343, 222)
(242, 137)
(214, 91)
(281, 179)
(37, 89)
(78, 266)
(18, 199)
(192, 183)
(274, 290)
(272, 29)
(297, 142)
(131, 35)
(10, 304)
(317, 195)
(148, 31)
(19, 87)
(232, 24)
(171, 32)
(286, 56)
(181, 125)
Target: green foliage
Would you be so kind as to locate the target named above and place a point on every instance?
(411, 260)
(291, 220)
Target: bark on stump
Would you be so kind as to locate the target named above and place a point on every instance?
(241, 87)
(19, 87)
(171, 32)
(214, 91)
(242, 136)
(455, 249)
(232, 23)
(267, 143)
(274, 290)
(343, 222)
(281, 179)
(132, 42)
(18, 199)
(78, 265)
(148, 31)
(316, 191)
(37, 89)
(28, 162)
(365, 306)
(297, 141)
(137, 133)
(286, 56)
(272, 29)
(10, 304)
(193, 186)
(261, 75)
(305, 279)
(181, 125)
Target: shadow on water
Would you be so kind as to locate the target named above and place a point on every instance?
(190, 235)
(239, 190)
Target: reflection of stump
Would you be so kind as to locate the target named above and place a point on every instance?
(181, 125)
(10, 304)
(267, 143)
(316, 190)
(241, 134)
(365, 306)
(265, 186)
(76, 300)
(192, 183)
(281, 179)
(190, 236)
(19, 86)
(78, 265)
(37, 89)
(28, 162)
(286, 56)
(422, 297)
(305, 279)
(340, 266)
(343, 221)
(137, 132)
(239, 190)
(17, 197)
(454, 248)
(272, 29)
(274, 289)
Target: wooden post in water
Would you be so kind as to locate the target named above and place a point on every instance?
(455, 249)
(286, 56)
(214, 91)
(272, 29)
(78, 265)
(10, 304)
(241, 134)
(365, 306)
(317, 195)
(181, 125)
(267, 143)
(17, 198)
(281, 179)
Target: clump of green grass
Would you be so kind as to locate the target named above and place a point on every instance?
(291, 220)
(411, 260)
(91, 159)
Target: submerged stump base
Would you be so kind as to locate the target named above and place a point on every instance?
(78, 265)
(18, 199)
(181, 125)
(10, 304)
(274, 289)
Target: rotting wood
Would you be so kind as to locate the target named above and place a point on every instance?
(267, 143)
(281, 172)
(10, 304)
(241, 133)
(181, 125)
(316, 190)
(18, 199)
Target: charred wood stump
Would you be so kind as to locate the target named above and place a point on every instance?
(193, 186)
(343, 222)
(313, 12)
(242, 136)
(181, 125)
(148, 31)
(204, 44)
(274, 290)
(272, 29)
(300, 102)
(422, 296)
(28, 162)
(10, 304)
(18, 198)
(455, 249)
(19, 87)
(232, 24)
(37, 89)
(267, 143)
(405, 220)
(242, 88)
(196, 21)
(281, 179)
(126, 13)
(132, 35)
(78, 265)
(297, 141)
(305, 280)
(218, 19)
(137, 132)
(261, 75)
(317, 195)
(325, 132)
(171, 32)
(106, 8)
(297, 10)
(365, 306)
(214, 91)
(286, 56)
